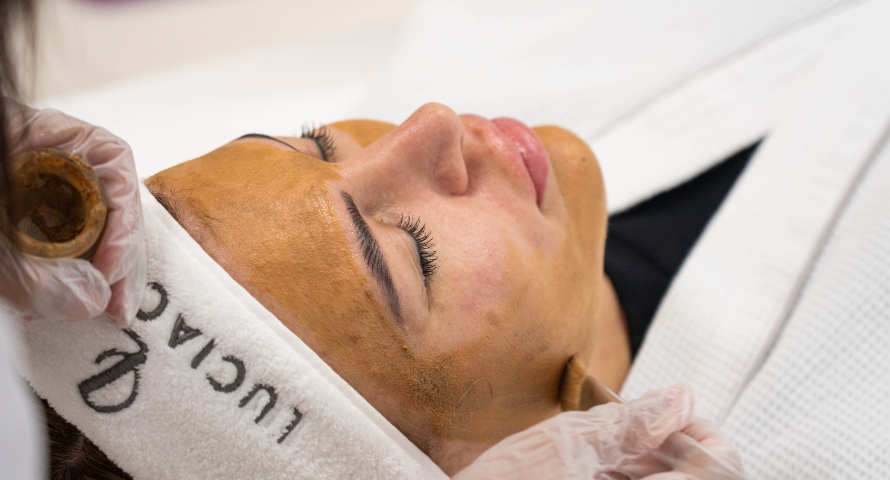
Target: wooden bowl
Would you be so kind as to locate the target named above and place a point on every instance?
(58, 206)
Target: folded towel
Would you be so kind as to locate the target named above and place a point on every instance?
(207, 383)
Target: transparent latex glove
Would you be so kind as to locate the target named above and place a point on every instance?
(610, 441)
(692, 465)
(111, 283)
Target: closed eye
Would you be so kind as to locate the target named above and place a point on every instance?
(322, 138)
(423, 242)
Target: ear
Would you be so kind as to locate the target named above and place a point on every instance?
(578, 390)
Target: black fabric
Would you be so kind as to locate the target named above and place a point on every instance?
(647, 243)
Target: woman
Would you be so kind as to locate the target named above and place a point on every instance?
(449, 269)
(552, 224)
(473, 249)
(460, 417)
(467, 241)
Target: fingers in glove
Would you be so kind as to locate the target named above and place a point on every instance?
(112, 160)
(120, 254)
(651, 419)
(67, 289)
(706, 433)
(126, 295)
(608, 441)
(672, 476)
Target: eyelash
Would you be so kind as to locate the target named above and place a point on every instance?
(322, 137)
(424, 240)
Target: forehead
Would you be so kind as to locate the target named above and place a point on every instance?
(275, 227)
(248, 159)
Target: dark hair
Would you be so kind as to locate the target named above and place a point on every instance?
(73, 456)
(16, 41)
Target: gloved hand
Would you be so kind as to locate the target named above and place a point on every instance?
(610, 441)
(72, 289)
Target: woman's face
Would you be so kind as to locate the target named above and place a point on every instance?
(447, 267)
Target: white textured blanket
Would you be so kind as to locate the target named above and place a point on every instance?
(206, 383)
(779, 317)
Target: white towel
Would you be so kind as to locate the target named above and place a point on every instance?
(207, 383)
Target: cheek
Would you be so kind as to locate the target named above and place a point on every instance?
(516, 305)
(483, 292)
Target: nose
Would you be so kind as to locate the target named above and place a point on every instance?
(425, 150)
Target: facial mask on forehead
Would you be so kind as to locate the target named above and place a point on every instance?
(207, 383)
(268, 216)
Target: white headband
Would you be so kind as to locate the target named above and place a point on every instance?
(207, 383)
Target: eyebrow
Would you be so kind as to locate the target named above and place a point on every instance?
(373, 256)
(170, 204)
(267, 137)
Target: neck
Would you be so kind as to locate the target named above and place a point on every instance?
(609, 361)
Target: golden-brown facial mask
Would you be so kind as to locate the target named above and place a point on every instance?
(242, 216)
(481, 351)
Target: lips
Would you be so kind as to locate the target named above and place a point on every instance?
(534, 155)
